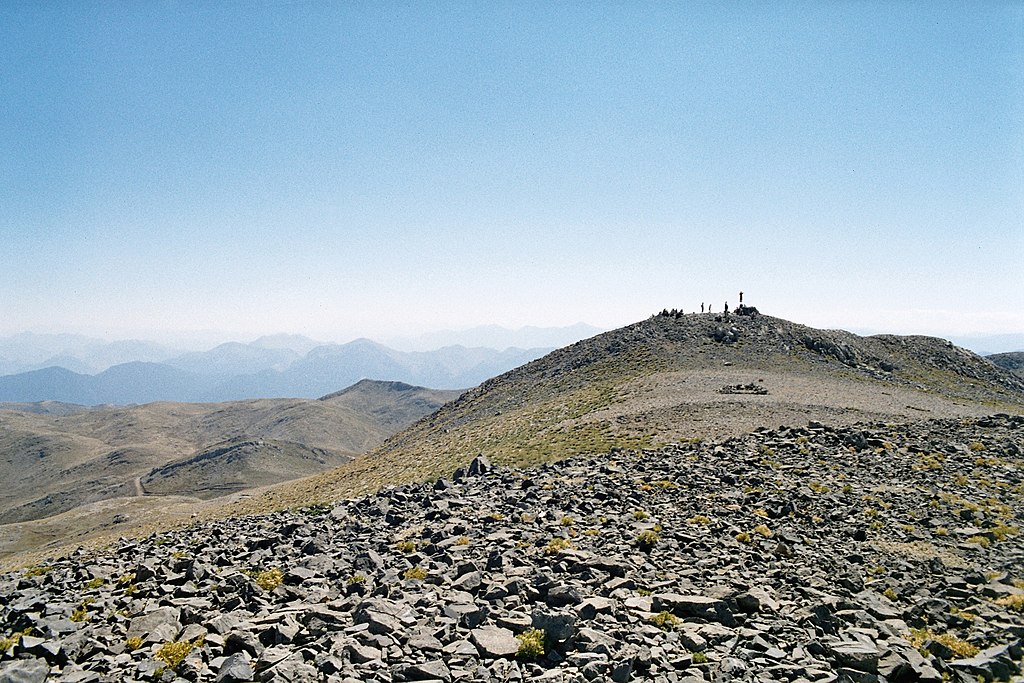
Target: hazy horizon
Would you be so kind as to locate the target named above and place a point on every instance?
(931, 324)
(344, 169)
(204, 340)
(195, 339)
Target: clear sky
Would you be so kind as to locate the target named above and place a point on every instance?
(362, 168)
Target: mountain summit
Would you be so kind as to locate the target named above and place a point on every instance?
(673, 378)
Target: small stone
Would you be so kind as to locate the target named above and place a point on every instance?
(699, 606)
(517, 622)
(235, 669)
(556, 626)
(559, 596)
(479, 466)
(495, 642)
(161, 624)
(24, 671)
(378, 622)
(593, 606)
(622, 671)
(361, 654)
(432, 670)
(859, 656)
(425, 641)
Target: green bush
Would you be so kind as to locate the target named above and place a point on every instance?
(557, 545)
(174, 653)
(270, 579)
(961, 648)
(666, 621)
(647, 539)
(1014, 602)
(416, 573)
(531, 644)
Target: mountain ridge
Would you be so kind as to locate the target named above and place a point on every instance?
(661, 381)
(1013, 362)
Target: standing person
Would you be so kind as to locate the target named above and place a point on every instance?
(741, 298)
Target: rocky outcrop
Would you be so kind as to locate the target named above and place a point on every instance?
(1013, 362)
(805, 554)
(749, 388)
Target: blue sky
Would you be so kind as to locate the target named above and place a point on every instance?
(343, 169)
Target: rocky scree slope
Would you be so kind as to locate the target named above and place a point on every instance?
(1014, 361)
(660, 381)
(871, 553)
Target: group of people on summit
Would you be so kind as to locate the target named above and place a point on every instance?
(706, 309)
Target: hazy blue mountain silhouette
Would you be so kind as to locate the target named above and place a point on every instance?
(47, 384)
(236, 371)
(234, 358)
(126, 383)
(27, 351)
(292, 342)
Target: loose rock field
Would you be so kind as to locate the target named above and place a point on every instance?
(809, 554)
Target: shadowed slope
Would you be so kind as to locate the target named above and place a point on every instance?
(1014, 362)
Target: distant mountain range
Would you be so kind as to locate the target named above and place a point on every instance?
(27, 351)
(987, 345)
(270, 367)
(30, 351)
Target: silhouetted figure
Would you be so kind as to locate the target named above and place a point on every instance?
(701, 306)
(727, 308)
(741, 298)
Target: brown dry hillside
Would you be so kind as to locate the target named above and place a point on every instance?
(53, 462)
(663, 380)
